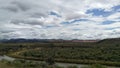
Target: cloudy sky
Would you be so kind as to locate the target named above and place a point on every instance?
(59, 19)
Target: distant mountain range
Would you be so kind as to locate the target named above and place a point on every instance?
(42, 40)
(21, 40)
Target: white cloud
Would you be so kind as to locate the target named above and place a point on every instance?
(32, 19)
(114, 17)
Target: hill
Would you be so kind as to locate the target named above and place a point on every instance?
(22, 40)
(110, 41)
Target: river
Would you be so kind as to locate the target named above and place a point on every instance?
(57, 63)
(4, 57)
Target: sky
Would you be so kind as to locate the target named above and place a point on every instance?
(59, 19)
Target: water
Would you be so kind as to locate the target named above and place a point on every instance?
(4, 57)
(78, 65)
(70, 64)
(65, 65)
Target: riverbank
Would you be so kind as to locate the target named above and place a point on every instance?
(72, 61)
(21, 63)
(62, 60)
(60, 64)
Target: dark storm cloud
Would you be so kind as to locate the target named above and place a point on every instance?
(15, 6)
(28, 21)
(11, 8)
(21, 5)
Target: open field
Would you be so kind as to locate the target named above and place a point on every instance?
(105, 52)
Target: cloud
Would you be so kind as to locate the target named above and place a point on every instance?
(21, 5)
(114, 17)
(10, 8)
(44, 19)
(28, 21)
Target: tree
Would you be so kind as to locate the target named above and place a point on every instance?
(48, 54)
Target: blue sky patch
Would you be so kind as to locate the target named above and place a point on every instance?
(76, 29)
(66, 23)
(111, 28)
(49, 26)
(116, 8)
(76, 20)
(55, 14)
(99, 12)
(107, 22)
